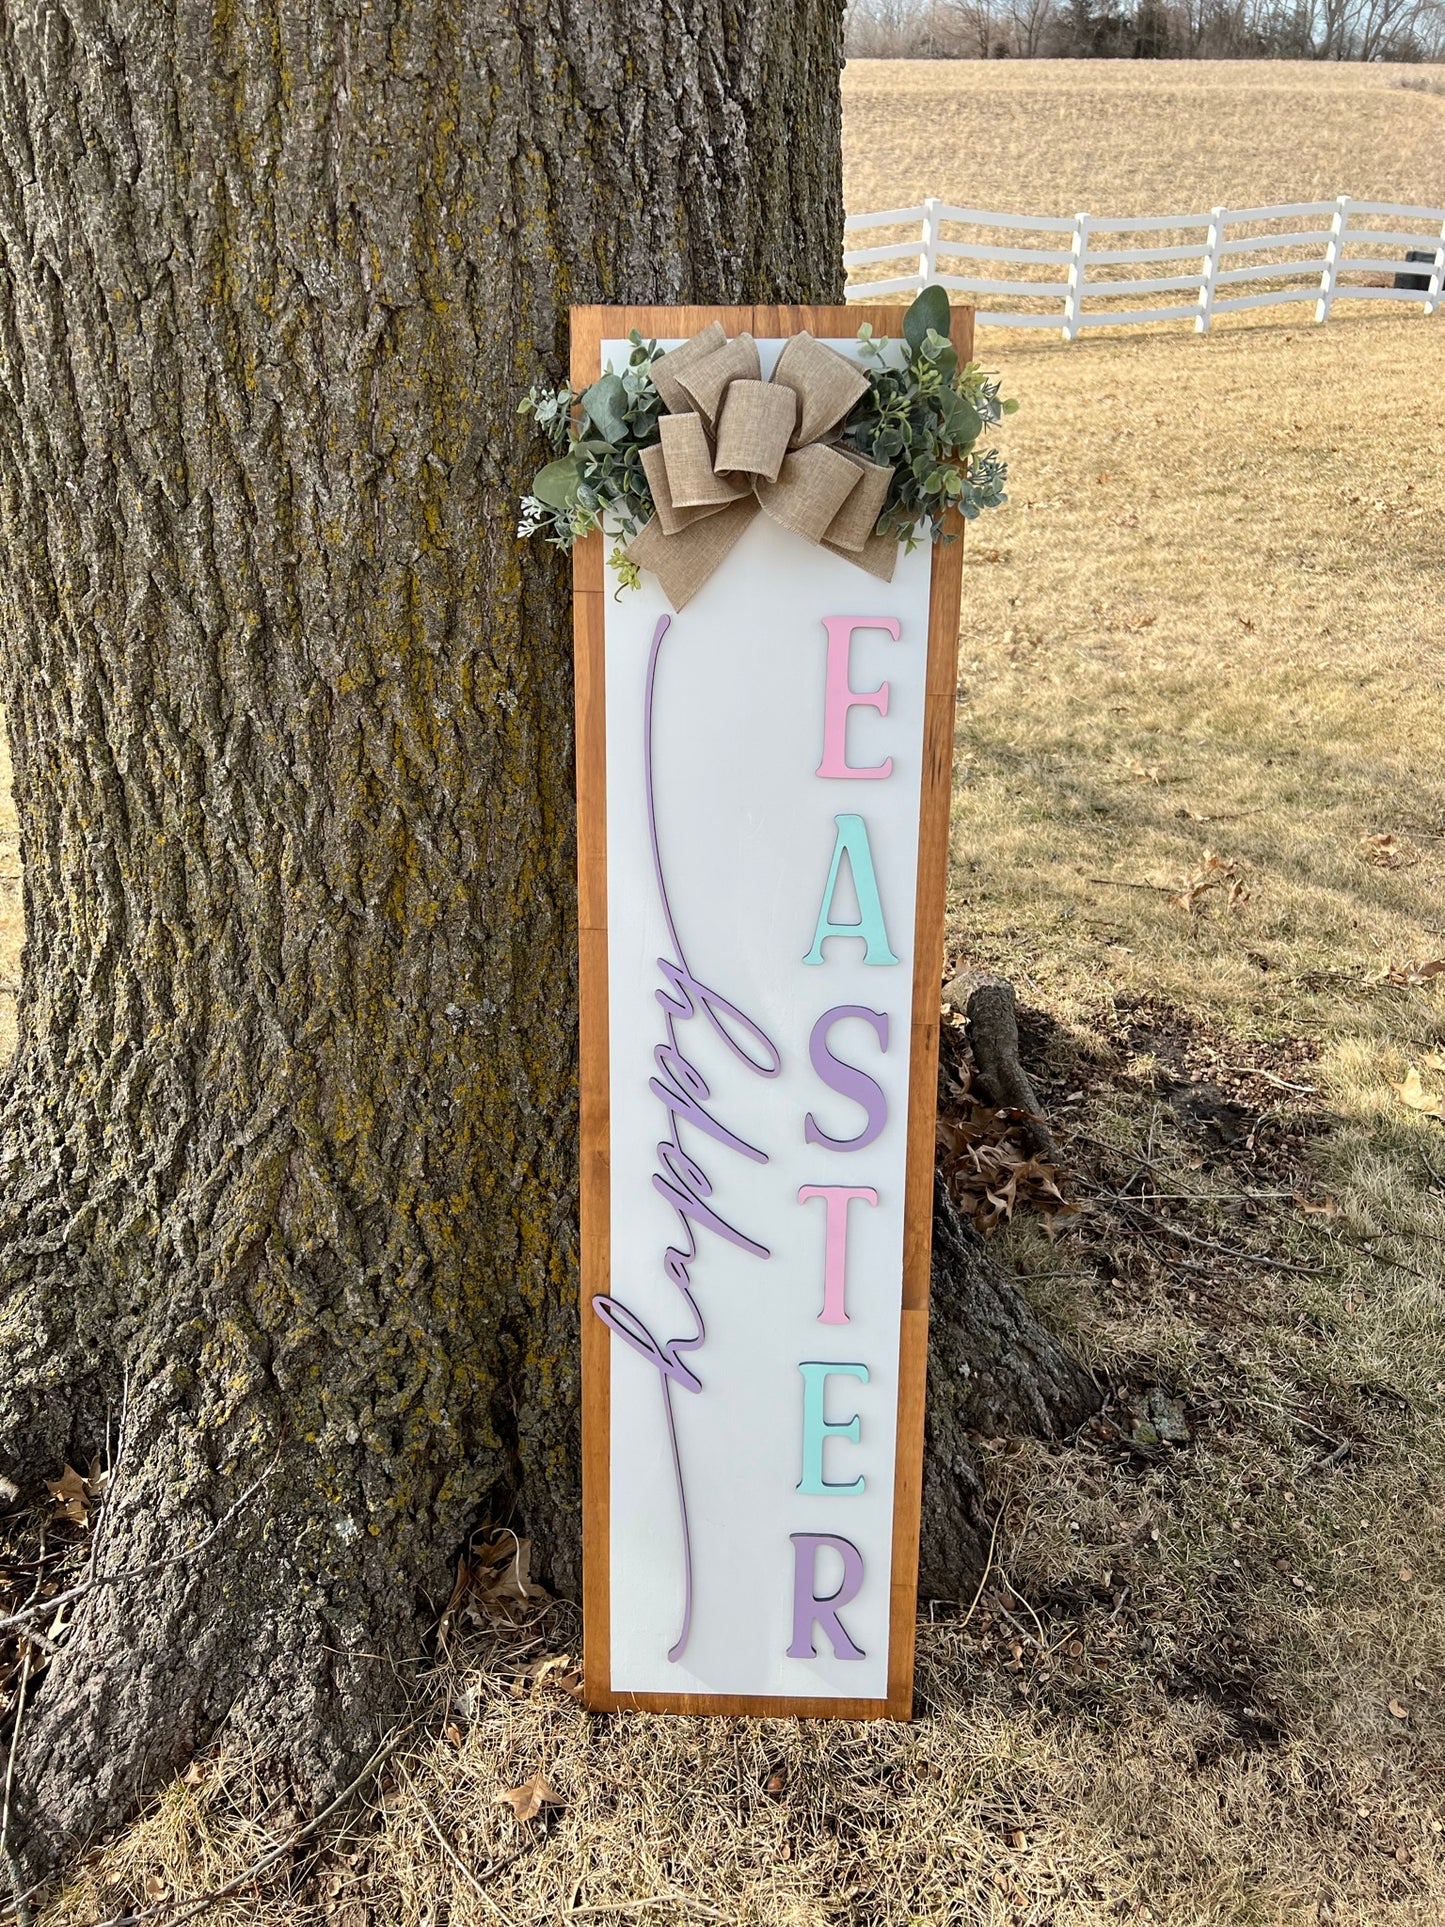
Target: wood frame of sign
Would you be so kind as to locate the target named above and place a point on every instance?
(591, 327)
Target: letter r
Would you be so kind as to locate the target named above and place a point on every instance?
(809, 1609)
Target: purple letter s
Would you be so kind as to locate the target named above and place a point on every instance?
(846, 1080)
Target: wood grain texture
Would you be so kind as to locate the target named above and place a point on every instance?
(590, 327)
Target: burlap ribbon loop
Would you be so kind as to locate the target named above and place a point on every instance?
(733, 444)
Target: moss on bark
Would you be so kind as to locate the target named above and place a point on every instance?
(288, 1144)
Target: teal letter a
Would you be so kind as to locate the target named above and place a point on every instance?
(853, 842)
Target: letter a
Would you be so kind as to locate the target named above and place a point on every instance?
(852, 842)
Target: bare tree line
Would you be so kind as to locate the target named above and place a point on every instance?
(1404, 30)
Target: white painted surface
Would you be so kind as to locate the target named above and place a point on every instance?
(747, 835)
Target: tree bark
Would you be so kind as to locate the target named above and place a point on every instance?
(988, 1003)
(289, 1141)
(993, 1371)
(287, 1154)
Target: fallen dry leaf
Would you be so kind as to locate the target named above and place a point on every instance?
(71, 1496)
(1398, 1711)
(1328, 1209)
(1413, 1093)
(560, 1669)
(528, 1799)
(1220, 873)
(1389, 852)
(1435, 1061)
(1405, 975)
(494, 1581)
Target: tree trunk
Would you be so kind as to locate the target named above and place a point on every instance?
(289, 1141)
(993, 1370)
(288, 1169)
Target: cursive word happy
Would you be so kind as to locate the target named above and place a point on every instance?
(684, 1094)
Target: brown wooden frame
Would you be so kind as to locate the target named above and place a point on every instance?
(591, 326)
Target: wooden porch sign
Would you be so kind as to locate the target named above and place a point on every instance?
(763, 796)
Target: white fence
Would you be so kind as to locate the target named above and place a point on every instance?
(1344, 252)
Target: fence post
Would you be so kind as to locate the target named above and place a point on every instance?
(1209, 269)
(1078, 262)
(928, 257)
(1331, 270)
(1437, 276)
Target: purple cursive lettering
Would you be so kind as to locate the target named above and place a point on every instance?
(684, 1094)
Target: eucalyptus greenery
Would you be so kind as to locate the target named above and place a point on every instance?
(922, 416)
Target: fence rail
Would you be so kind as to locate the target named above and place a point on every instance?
(1322, 263)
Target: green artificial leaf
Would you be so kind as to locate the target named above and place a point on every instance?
(556, 484)
(929, 310)
(605, 405)
(965, 424)
(1010, 406)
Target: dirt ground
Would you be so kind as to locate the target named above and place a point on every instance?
(1200, 823)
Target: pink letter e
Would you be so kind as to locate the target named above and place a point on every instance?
(838, 698)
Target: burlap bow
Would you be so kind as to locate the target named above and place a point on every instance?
(733, 443)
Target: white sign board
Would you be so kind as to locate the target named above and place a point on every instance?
(753, 1466)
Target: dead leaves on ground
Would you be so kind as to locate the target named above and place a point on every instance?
(555, 1669)
(1218, 878)
(1411, 976)
(984, 1156)
(529, 1799)
(1415, 1097)
(494, 1583)
(989, 1172)
(76, 1494)
(1389, 852)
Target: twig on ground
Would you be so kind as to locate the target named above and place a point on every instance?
(636, 1906)
(177, 1911)
(987, 1568)
(473, 1880)
(1268, 1077)
(1224, 1251)
(1042, 1637)
(20, 1893)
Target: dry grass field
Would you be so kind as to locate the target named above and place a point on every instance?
(1200, 822)
(1120, 137)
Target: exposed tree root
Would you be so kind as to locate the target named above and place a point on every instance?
(993, 1369)
(987, 1002)
(165, 1646)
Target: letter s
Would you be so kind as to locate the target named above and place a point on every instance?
(846, 1080)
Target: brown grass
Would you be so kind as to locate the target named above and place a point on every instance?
(1120, 137)
(1204, 1682)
